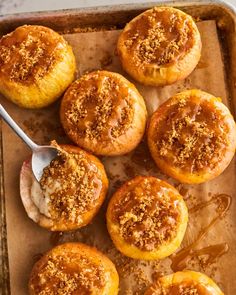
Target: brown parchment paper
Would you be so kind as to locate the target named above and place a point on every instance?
(26, 240)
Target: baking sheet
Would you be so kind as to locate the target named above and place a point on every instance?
(27, 241)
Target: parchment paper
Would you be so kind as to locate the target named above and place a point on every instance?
(26, 240)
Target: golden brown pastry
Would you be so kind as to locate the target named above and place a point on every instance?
(160, 46)
(36, 66)
(104, 113)
(74, 269)
(184, 283)
(147, 218)
(70, 192)
(192, 136)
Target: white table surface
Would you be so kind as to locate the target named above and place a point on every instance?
(15, 6)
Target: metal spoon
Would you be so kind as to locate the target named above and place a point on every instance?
(42, 155)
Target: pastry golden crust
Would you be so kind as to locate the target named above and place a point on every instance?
(184, 283)
(160, 46)
(36, 66)
(192, 136)
(71, 190)
(104, 113)
(74, 269)
(147, 218)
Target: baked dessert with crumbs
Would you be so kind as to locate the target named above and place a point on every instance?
(147, 218)
(36, 66)
(74, 269)
(70, 192)
(192, 136)
(104, 113)
(184, 283)
(160, 46)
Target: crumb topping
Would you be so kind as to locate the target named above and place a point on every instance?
(191, 136)
(159, 36)
(67, 275)
(73, 186)
(186, 288)
(99, 108)
(29, 52)
(147, 214)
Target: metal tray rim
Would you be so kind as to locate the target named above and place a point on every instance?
(116, 7)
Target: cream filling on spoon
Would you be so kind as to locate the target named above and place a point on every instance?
(41, 200)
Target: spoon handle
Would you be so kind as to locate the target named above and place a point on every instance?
(17, 129)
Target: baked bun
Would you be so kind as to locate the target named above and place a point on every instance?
(104, 113)
(192, 136)
(184, 282)
(36, 66)
(147, 218)
(71, 269)
(70, 192)
(160, 46)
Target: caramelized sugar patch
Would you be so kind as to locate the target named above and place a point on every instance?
(147, 215)
(190, 288)
(64, 275)
(29, 53)
(72, 184)
(185, 288)
(100, 108)
(192, 136)
(160, 36)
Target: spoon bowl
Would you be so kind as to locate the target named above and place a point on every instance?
(42, 155)
(41, 158)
